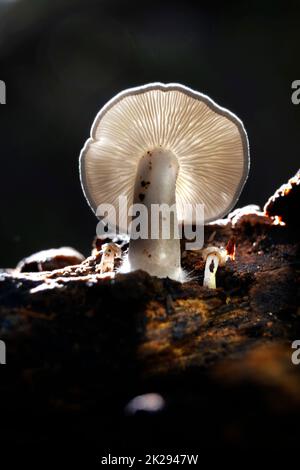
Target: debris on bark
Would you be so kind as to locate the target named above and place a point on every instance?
(283, 206)
(48, 260)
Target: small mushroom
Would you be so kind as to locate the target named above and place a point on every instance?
(164, 144)
(213, 257)
(109, 251)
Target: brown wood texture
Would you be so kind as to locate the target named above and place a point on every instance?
(80, 346)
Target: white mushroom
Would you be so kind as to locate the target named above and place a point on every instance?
(109, 251)
(213, 257)
(164, 144)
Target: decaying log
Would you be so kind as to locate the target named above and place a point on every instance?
(80, 345)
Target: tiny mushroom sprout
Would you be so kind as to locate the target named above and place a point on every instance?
(164, 145)
(109, 251)
(213, 257)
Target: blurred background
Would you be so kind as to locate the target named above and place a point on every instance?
(63, 59)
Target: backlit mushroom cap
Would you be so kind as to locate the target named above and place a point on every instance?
(209, 142)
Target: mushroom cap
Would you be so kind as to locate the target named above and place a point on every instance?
(221, 253)
(116, 249)
(209, 142)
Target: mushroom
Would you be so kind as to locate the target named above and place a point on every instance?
(109, 251)
(213, 257)
(164, 144)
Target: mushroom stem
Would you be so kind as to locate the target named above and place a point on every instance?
(155, 184)
(211, 266)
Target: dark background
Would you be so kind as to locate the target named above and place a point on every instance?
(62, 60)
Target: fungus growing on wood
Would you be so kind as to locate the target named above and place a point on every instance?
(213, 257)
(109, 251)
(164, 144)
